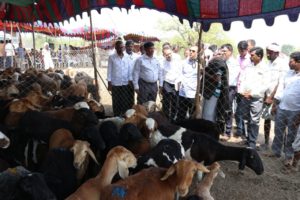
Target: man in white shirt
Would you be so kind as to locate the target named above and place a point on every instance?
(253, 85)
(119, 77)
(277, 68)
(244, 61)
(188, 85)
(145, 75)
(171, 72)
(233, 72)
(10, 54)
(129, 51)
(287, 107)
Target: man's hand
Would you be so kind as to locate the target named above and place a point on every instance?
(109, 87)
(269, 100)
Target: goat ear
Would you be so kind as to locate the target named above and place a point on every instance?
(202, 168)
(91, 153)
(170, 171)
(123, 169)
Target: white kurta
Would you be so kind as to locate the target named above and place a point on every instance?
(47, 59)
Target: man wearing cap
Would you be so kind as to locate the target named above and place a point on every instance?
(146, 73)
(119, 80)
(277, 68)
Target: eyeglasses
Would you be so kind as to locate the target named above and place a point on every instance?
(192, 50)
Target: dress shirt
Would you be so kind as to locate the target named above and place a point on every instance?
(188, 79)
(244, 62)
(233, 71)
(119, 70)
(171, 71)
(132, 57)
(288, 91)
(276, 70)
(148, 69)
(254, 80)
(9, 49)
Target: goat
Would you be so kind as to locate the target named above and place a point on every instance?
(203, 188)
(4, 141)
(155, 183)
(119, 159)
(140, 109)
(63, 138)
(131, 138)
(166, 153)
(201, 147)
(97, 108)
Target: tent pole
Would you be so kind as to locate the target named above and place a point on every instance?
(200, 68)
(33, 42)
(4, 38)
(94, 58)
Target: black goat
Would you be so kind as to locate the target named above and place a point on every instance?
(166, 153)
(201, 147)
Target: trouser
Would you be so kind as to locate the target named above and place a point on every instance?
(9, 61)
(296, 143)
(184, 105)
(169, 100)
(122, 99)
(239, 116)
(252, 111)
(285, 119)
(147, 91)
(209, 108)
(232, 94)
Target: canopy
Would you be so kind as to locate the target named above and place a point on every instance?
(205, 11)
(140, 38)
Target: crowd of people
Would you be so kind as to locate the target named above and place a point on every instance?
(246, 88)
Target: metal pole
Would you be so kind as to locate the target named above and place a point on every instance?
(33, 41)
(97, 98)
(199, 99)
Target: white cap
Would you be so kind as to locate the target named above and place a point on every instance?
(274, 47)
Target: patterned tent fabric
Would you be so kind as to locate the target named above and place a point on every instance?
(100, 35)
(140, 38)
(205, 11)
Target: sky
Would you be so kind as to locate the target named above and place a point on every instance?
(144, 21)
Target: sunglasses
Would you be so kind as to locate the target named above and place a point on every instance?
(192, 50)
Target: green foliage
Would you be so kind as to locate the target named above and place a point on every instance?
(288, 49)
(185, 36)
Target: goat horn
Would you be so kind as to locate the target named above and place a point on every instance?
(91, 153)
(202, 168)
(170, 171)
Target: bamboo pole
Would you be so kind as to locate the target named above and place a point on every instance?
(33, 42)
(94, 58)
(199, 98)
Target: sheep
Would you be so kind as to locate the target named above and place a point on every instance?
(119, 159)
(155, 183)
(164, 154)
(4, 141)
(63, 138)
(201, 147)
(203, 188)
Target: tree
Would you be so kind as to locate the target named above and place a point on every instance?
(287, 49)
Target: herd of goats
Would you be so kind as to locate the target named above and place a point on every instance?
(57, 143)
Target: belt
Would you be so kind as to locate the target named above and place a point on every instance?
(147, 81)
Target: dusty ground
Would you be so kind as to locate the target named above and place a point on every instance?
(272, 185)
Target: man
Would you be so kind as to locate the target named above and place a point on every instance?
(10, 54)
(277, 69)
(253, 85)
(20, 55)
(129, 46)
(119, 80)
(171, 71)
(233, 71)
(188, 85)
(244, 61)
(251, 44)
(146, 73)
(287, 108)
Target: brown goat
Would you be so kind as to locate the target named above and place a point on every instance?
(118, 159)
(64, 113)
(63, 138)
(76, 89)
(140, 109)
(155, 183)
(203, 188)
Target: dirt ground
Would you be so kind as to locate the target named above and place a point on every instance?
(273, 184)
